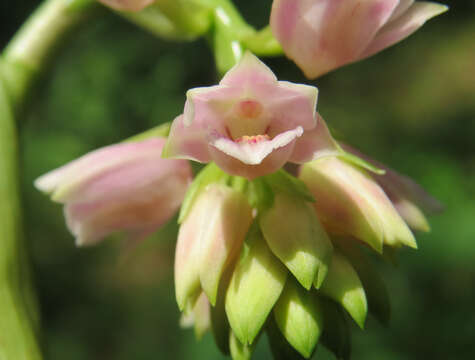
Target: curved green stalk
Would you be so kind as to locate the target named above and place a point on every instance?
(31, 48)
(17, 302)
(231, 35)
(173, 19)
(25, 57)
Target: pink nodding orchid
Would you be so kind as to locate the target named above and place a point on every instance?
(127, 5)
(125, 187)
(250, 124)
(322, 35)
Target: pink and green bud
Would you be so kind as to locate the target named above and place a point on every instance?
(127, 5)
(343, 285)
(410, 199)
(123, 188)
(209, 239)
(250, 124)
(349, 202)
(322, 35)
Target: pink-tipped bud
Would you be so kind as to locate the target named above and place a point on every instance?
(125, 188)
(322, 35)
(349, 202)
(209, 239)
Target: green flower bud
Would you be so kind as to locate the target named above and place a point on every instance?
(299, 316)
(255, 287)
(299, 240)
(343, 285)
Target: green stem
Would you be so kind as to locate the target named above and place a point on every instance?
(228, 31)
(173, 19)
(31, 48)
(22, 61)
(231, 35)
(263, 43)
(17, 302)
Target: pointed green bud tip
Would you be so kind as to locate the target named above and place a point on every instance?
(343, 285)
(373, 283)
(209, 175)
(255, 287)
(299, 316)
(296, 237)
(238, 350)
(209, 239)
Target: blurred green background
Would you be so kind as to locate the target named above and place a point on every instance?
(412, 106)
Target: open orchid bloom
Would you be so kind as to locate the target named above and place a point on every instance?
(125, 187)
(322, 35)
(127, 5)
(250, 124)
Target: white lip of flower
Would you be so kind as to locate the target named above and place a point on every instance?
(251, 150)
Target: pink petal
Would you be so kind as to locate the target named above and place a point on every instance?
(187, 141)
(249, 70)
(209, 105)
(66, 182)
(323, 35)
(288, 105)
(314, 144)
(125, 187)
(403, 6)
(143, 208)
(403, 26)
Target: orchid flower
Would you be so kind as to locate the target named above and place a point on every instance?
(250, 124)
(322, 35)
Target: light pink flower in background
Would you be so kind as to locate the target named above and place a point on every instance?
(250, 124)
(127, 5)
(322, 35)
(125, 188)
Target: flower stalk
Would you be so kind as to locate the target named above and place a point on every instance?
(17, 300)
(30, 50)
(21, 63)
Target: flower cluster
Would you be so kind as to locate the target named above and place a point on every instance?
(264, 247)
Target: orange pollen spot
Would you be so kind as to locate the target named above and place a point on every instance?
(250, 109)
(253, 139)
